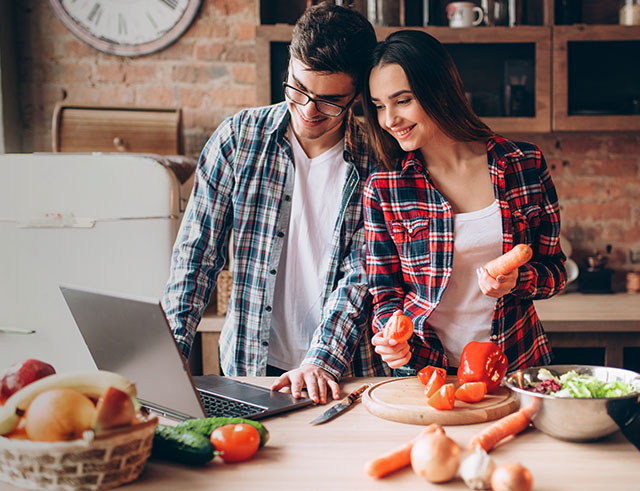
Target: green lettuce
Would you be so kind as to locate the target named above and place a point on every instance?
(587, 386)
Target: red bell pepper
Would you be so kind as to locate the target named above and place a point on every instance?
(482, 362)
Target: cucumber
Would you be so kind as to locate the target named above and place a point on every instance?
(180, 445)
(205, 426)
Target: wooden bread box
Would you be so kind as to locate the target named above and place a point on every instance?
(80, 128)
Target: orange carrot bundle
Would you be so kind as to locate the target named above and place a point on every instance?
(511, 424)
(509, 261)
(397, 458)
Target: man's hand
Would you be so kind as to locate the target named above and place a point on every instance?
(317, 381)
(496, 287)
(392, 353)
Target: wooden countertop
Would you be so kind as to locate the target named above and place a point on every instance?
(331, 457)
(567, 312)
(580, 312)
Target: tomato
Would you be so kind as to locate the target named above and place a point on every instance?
(482, 362)
(236, 442)
(444, 398)
(398, 327)
(425, 374)
(436, 381)
(471, 391)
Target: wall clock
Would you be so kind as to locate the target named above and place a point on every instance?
(127, 27)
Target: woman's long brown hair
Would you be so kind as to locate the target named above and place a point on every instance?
(436, 85)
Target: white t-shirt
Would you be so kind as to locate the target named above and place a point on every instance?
(297, 303)
(464, 313)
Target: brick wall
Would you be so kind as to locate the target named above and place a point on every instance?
(210, 73)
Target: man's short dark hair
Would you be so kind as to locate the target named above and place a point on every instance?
(334, 39)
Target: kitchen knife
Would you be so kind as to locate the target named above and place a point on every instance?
(341, 407)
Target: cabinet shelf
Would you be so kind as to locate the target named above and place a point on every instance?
(497, 45)
(585, 76)
(596, 78)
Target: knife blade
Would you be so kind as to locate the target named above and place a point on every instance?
(340, 407)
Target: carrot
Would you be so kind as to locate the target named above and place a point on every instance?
(511, 424)
(505, 264)
(396, 458)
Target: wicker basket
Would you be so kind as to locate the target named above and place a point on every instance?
(105, 461)
(223, 290)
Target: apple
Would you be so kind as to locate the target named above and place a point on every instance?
(23, 373)
(59, 414)
(114, 408)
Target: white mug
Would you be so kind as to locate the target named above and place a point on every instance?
(464, 14)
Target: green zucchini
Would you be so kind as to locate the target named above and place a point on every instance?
(181, 445)
(205, 426)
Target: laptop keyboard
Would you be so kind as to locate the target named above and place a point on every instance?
(219, 406)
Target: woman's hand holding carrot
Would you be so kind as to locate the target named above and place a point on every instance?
(392, 352)
(496, 287)
(500, 275)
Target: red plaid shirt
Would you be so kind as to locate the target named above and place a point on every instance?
(409, 236)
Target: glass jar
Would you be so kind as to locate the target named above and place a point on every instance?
(629, 12)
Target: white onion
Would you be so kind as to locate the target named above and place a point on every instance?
(435, 457)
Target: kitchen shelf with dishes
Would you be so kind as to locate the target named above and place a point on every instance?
(563, 65)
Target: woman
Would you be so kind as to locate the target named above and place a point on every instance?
(453, 196)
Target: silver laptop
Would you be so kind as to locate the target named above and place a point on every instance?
(131, 336)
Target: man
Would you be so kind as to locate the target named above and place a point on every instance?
(287, 180)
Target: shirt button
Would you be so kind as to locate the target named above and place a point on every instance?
(273, 271)
(287, 198)
(265, 343)
(494, 337)
(280, 234)
(268, 308)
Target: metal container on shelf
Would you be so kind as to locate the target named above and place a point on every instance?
(629, 13)
(383, 12)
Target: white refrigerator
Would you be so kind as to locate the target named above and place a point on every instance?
(104, 221)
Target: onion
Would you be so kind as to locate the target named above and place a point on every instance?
(511, 476)
(435, 457)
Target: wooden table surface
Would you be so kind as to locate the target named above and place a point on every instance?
(331, 457)
(582, 312)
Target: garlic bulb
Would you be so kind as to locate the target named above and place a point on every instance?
(476, 469)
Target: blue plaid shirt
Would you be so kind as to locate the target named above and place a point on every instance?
(244, 182)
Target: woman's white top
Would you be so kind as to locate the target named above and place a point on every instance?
(464, 313)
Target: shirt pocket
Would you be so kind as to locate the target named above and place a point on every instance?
(526, 221)
(411, 237)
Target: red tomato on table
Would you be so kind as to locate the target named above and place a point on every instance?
(444, 398)
(236, 442)
(471, 391)
(425, 374)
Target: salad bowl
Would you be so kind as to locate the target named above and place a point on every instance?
(571, 415)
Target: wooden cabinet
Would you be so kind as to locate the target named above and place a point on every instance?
(596, 77)
(572, 77)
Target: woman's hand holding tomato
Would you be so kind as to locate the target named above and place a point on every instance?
(496, 287)
(236, 442)
(392, 353)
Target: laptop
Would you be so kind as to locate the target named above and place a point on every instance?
(131, 336)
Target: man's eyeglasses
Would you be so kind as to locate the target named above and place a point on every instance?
(302, 98)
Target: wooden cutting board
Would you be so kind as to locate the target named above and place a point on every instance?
(403, 400)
